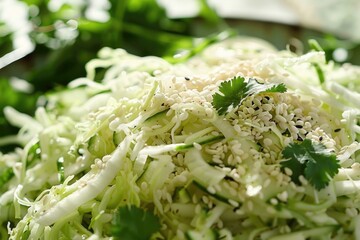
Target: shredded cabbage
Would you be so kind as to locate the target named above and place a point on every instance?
(147, 135)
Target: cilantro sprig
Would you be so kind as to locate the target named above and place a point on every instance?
(233, 92)
(312, 160)
(131, 223)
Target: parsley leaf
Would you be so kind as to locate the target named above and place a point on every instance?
(134, 223)
(233, 92)
(312, 160)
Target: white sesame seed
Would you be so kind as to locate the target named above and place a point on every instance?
(280, 118)
(282, 196)
(215, 133)
(106, 158)
(211, 189)
(267, 183)
(355, 166)
(288, 171)
(266, 107)
(267, 142)
(102, 116)
(144, 186)
(233, 203)
(98, 163)
(352, 212)
(303, 180)
(274, 201)
(205, 199)
(197, 209)
(237, 128)
(209, 112)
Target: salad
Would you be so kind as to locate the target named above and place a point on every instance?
(241, 141)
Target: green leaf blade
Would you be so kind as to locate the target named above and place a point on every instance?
(233, 92)
(322, 168)
(134, 223)
(313, 161)
(280, 88)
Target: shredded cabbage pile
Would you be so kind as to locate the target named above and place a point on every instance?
(148, 135)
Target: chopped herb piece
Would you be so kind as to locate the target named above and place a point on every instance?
(134, 223)
(313, 161)
(233, 92)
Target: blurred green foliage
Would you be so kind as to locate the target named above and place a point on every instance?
(139, 26)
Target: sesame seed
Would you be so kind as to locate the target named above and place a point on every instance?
(237, 128)
(267, 183)
(352, 212)
(274, 201)
(288, 171)
(282, 196)
(211, 189)
(355, 166)
(205, 199)
(233, 203)
(144, 186)
(267, 142)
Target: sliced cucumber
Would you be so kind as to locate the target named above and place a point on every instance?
(202, 141)
(156, 174)
(201, 171)
(156, 116)
(101, 144)
(206, 177)
(118, 137)
(223, 195)
(182, 195)
(315, 233)
(209, 234)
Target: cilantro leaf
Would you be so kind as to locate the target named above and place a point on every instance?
(323, 169)
(296, 167)
(233, 92)
(134, 223)
(312, 160)
(254, 87)
(280, 88)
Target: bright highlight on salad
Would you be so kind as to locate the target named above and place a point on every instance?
(240, 141)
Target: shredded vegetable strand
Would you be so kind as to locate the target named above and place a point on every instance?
(239, 141)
